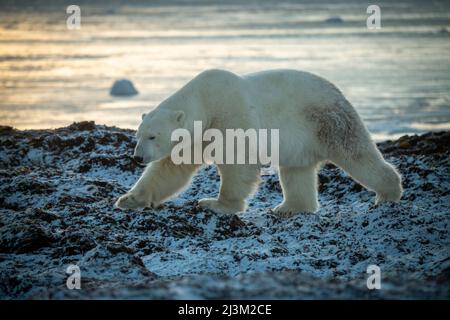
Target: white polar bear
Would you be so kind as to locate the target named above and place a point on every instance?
(315, 121)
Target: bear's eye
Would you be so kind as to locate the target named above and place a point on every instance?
(151, 138)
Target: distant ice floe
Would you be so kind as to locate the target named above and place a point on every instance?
(123, 87)
(334, 20)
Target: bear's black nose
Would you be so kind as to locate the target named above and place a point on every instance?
(138, 159)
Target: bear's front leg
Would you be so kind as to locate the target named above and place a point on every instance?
(299, 186)
(141, 195)
(237, 183)
(160, 180)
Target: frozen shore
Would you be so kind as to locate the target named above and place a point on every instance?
(57, 193)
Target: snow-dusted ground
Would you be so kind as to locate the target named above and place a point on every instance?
(57, 193)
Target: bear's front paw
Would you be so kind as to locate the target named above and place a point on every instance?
(219, 207)
(130, 201)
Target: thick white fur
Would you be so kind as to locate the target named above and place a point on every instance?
(315, 120)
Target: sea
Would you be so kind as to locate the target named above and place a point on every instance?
(396, 75)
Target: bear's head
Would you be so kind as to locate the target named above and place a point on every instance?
(154, 134)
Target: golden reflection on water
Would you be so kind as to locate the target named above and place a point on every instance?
(51, 76)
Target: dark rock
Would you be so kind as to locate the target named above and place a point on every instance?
(75, 243)
(6, 130)
(43, 215)
(24, 236)
(82, 126)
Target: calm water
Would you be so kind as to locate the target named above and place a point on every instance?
(398, 77)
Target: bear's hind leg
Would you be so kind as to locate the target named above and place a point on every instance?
(237, 183)
(374, 173)
(160, 180)
(299, 185)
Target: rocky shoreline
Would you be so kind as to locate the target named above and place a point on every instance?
(57, 193)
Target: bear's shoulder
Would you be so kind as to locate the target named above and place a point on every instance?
(216, 75)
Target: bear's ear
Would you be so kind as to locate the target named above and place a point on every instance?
(179, 116)
(143, 116)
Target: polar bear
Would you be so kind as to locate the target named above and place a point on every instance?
(316, 123)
